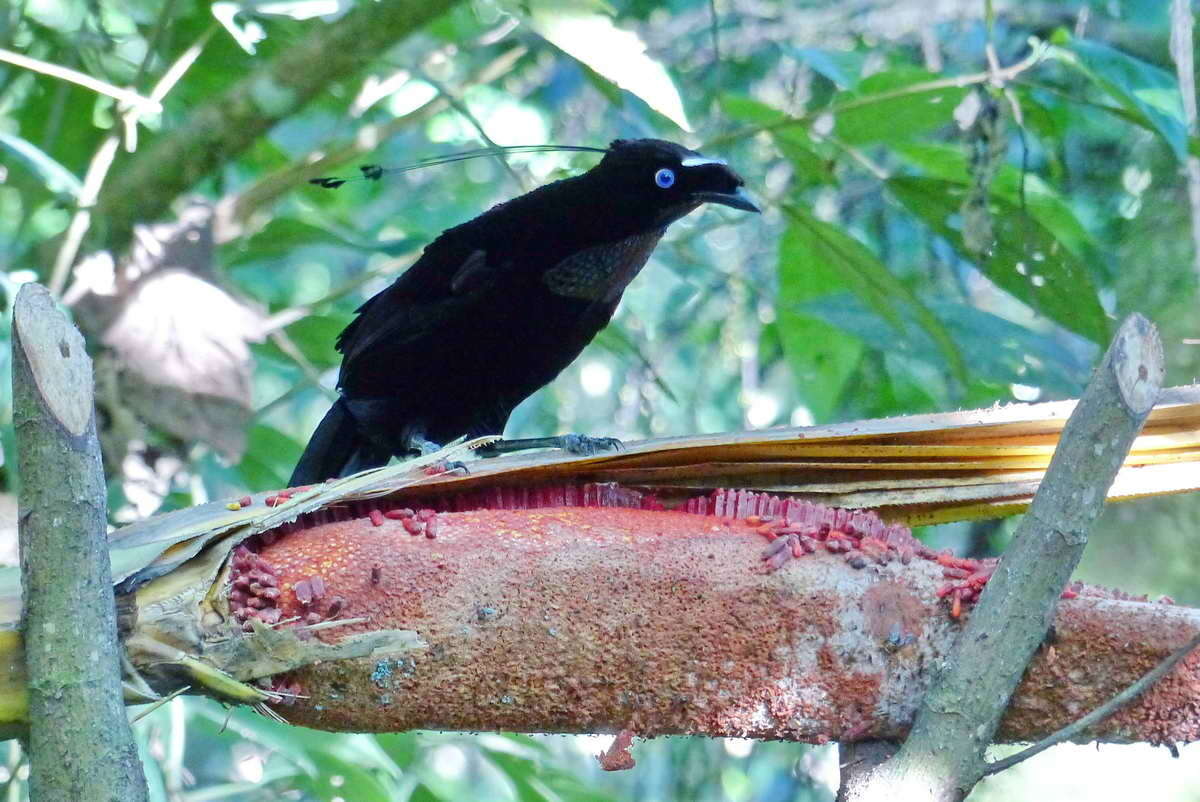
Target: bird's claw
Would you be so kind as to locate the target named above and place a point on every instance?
(585, 446)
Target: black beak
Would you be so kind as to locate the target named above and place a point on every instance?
(738, 199)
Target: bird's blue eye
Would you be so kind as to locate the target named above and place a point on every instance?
(665, 178)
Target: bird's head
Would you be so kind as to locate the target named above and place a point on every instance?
(667, 181)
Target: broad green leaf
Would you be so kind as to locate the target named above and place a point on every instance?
(58, 179)
(618, 55)
(949, 163)
(1026, 260)
(835, 260)
(894, 106)
(1144, 91)
(423, 793)
(822, 356)
(315, 336)
(999, 351)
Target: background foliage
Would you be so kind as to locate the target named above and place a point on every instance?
(960, 200)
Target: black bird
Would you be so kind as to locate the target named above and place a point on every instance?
(496, 307)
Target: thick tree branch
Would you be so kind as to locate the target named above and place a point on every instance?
(81, 743)
(1099, 714)
(228, 124)
(943, 757)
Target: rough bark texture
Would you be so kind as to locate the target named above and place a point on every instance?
(229, 123)
(81, 744)
(591, 619)
(943, 756)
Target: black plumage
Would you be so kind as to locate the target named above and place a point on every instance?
(496, 307)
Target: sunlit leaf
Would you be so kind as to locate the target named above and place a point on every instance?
(1147, 93)
(58, 179)
(618, 55)
(1026, 260)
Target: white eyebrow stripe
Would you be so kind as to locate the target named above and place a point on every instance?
(699, 161)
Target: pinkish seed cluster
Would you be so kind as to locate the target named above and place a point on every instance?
(967, 578)
(836, 531)
(311, 594)
(254, 589)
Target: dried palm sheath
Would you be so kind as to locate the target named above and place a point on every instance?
(176, 575)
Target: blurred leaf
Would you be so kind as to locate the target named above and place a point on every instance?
(618, 55)
(793, 141)
(57, 179)
(843, 67)
(339, 779)
(315, 335)
(1144, 91)
(852, 264)
(822, 356)
(1043, 202)
(282, 236)
(269, 458)
(1026, 260)
(998, 350)
(422, 793)
(614, 339)
(894, 106)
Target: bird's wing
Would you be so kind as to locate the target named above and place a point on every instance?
(449, 274)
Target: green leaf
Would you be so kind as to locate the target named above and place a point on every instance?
(618, 55)
(1026, 260)
(283, 235)
(999, 351)
(54, 176)
(422, 793)
(1148, 94)
(822, 356)
(894, 106)
(315, 336)
(1044, 203)
(793, 141)
(843, 67)
(871, 280)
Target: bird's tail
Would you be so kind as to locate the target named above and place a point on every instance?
(337, 448)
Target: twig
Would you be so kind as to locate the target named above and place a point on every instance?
(232, 121)
(144, 104)
(81, 744)
(1100, 713)
(234, 212)
(102, 161)
(159, 703)
(1002, 75)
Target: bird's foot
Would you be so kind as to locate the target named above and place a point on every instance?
(579, 444)
(420, 447)
(586, 446)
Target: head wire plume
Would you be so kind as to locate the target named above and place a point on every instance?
(373, 172)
